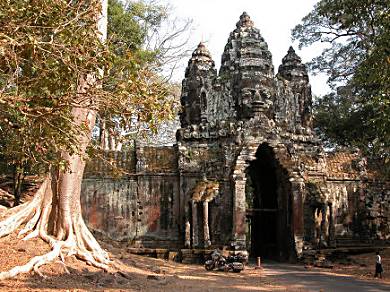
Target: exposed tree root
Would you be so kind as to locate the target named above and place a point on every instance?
(22, 213)
(54, 214)
(66, 235)
(5, 194)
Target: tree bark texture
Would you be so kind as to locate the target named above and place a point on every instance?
(18, 177)
(55, 212)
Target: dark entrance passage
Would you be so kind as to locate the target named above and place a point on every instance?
(268, 202)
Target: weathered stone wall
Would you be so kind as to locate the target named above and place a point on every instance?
(374, 211)
(150, 207)
(361, 210)
(141, 205)
(349, 206)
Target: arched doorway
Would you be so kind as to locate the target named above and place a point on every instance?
(268, 207)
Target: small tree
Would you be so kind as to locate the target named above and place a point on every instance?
(155, 38)
(56, 73)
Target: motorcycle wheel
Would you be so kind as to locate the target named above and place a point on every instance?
(237, 267)
(209, 265)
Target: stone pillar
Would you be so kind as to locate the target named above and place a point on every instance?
(317, 227)
(324, 225)
(297, 184)
(187, 234)
(206, 232)
(332, 220)
(195, 241)
(239, 213)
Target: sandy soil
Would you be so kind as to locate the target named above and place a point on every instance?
(138, 273)
(131, 273)
(363, 266)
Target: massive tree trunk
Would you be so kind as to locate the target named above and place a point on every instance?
(55, 212)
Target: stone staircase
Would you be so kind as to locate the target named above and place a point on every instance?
(351, 242)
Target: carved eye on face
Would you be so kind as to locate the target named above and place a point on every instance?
(246, 93)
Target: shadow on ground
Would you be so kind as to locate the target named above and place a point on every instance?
(137, 273)
(320, 279)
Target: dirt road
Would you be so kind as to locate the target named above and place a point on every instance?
(297, 278)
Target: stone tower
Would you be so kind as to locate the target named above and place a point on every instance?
(246, 85)
(247, 64)
(294, 111)
(250, 131)
(197, 84)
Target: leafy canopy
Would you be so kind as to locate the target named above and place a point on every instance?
(45, 48)
(357, 61)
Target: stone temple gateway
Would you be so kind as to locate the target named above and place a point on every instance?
(247, 172)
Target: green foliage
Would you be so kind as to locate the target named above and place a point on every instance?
(46, 48)
(357, 61)
(124, 30)
(342, 120)
(130, 26)
(352, 28)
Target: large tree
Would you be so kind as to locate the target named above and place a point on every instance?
(132, 25)
(356, 34)
(57, 72)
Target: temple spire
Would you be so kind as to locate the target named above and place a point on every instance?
(291, 57)
(199, 77)
(245, 21)
(292, 66)
(201, 55)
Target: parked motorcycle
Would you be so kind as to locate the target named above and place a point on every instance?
(217, 261)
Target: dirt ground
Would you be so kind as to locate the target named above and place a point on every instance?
(138, 273)
(362, 266)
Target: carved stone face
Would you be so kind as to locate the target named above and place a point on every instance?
(246, 95)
